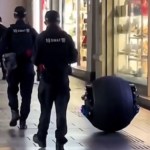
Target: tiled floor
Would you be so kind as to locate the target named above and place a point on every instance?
(81, 134)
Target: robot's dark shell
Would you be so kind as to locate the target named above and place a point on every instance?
(110, 103)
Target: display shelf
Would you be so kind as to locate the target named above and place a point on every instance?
(132, 78)
(135, 55)
(137, 59)
(138, 37)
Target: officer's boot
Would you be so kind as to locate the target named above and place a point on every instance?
(59, 146)
(37, 140)
(4, 77)
(14, 119)
(23, 125)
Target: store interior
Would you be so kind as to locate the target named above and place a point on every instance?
(131, 26)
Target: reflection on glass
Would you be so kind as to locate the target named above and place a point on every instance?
(70, 20)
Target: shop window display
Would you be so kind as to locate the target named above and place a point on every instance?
(83, 34)
(131, 18)
(70, 18)
(75, 23)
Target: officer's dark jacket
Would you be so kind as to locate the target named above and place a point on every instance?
(2, 32)
(20, 39)
(55, 50)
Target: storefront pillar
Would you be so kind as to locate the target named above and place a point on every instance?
(109, 37)
(55, 5)
(28, 6)
(58, 5)
(100, 32)
(92, 30)
(148, 77)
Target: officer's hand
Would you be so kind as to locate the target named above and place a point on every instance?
(28, 53)
(41, 68)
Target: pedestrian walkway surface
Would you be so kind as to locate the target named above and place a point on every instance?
(81, 134)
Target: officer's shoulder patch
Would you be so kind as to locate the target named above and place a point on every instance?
(19, 30)
(55, 40)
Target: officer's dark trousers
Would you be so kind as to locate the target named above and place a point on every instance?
(48, 94)
(2, 66)
(23, 76)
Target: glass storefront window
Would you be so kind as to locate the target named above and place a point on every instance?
(83, 34)
(75, 23)
(45, 8)
(131, 39)
(70, 19)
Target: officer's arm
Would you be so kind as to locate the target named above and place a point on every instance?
(5, 42)
(38, 53)
(34, 37)
(73, 53)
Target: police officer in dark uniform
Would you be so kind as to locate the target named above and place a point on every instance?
(2, 31)
(55, 51)
(20, 40)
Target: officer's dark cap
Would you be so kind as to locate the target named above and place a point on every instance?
(20, 12)
(52, 16)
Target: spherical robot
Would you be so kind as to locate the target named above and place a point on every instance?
(110, 103)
